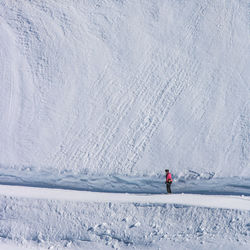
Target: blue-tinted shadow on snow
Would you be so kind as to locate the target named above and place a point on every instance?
(124, 184)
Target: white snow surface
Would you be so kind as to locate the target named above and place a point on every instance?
(99, 97)
(227, 202)
(58, 219)
(128, 87)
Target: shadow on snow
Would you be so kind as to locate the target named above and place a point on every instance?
(191, 184)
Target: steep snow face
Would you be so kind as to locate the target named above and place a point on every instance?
(127, 87)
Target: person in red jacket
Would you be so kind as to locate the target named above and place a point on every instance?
(169, 181)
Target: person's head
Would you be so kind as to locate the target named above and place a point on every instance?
(166, 170)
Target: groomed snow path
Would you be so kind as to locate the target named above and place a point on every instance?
(210, 201)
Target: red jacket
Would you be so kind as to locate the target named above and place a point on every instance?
(168, 178)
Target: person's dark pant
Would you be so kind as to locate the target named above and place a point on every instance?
(169, 188)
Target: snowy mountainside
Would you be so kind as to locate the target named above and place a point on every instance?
(102, 96)
(125, 87)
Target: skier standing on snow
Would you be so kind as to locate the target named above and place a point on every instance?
(169, 181)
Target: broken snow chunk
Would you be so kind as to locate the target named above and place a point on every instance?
(137, 224)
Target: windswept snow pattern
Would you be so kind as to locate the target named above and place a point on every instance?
(125, 87)
(104, 95)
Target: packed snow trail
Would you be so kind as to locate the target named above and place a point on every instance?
(213, 201)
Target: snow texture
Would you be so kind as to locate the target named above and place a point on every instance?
(52, 217)
(102, 96)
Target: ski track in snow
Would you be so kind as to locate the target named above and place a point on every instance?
(103, 113)
(130, 147)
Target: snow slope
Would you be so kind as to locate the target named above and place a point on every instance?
(103, 96)
(125, 87)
